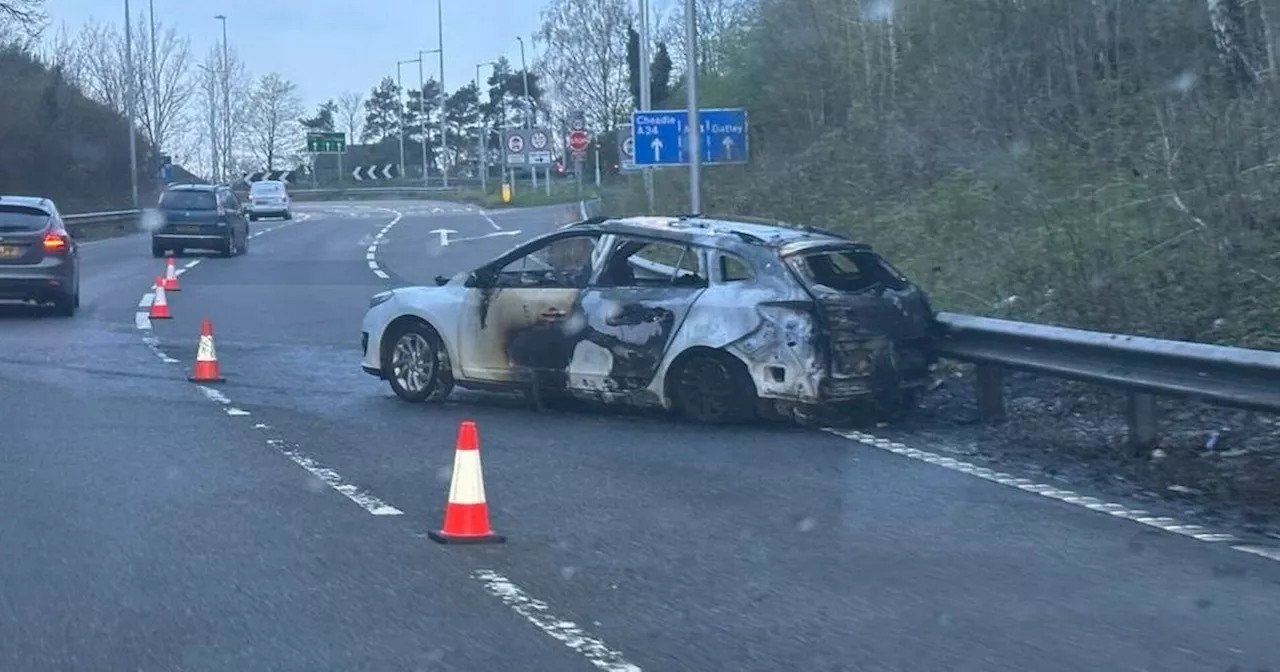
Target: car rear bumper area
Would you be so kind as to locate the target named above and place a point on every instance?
(190, 239)
(32, 287)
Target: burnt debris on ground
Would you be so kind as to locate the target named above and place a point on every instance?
(1215, 465)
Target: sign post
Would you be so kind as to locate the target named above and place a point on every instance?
(660, 137)
(579, 140)
(326, 142)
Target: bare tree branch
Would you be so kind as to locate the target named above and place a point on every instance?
(274, 132)
(164, 87)
(351, 114)
(585, 56)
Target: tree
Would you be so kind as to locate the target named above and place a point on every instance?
(324, 119)
(659, 70)
(350, 108)
(21, 17)
(463, 121)
(233, 83)
(164, 87)
(382, 111)
(585, 55)
(274, 132)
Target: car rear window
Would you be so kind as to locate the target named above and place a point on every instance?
(847, 270)
(18, 218)
(188, 200)
(265, 189)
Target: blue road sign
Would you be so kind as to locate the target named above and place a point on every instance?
(660, 136)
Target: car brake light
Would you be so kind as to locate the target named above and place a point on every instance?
(55, 243)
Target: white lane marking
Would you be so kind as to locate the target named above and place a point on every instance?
(142, 320)
(495, 234)
(153, 344)
(216, 396)
(331, 478)
(237, 412)
(539, 614)
(1164, 523)
(492, 223)
(146, 300)
(371, 254)
(444, 235)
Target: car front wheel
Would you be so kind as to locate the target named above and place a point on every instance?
(413, 364)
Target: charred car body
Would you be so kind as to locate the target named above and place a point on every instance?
(719, 319)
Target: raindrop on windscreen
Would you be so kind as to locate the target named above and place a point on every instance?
(150, 220)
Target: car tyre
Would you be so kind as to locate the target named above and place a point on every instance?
(253, 218)
(65, 305)
(414, 363)
(288, 215)
(157, 251)
(228, 247)
(713, 388)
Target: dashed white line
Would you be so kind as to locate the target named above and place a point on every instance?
(1164, 523)
(539, 614)
(371, 253)
(331, 478)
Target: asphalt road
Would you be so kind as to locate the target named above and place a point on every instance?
(278, 521)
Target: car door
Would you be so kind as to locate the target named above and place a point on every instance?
(633, 308)
(236, 217)
(521, 315)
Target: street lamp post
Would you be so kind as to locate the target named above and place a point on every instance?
(130, 94)
(422, 111)
(691, 81)
(482, 153)
(444, 138)
(646, 92)
(213, 121)
(528, 112)
(155, 80)
(226, 102)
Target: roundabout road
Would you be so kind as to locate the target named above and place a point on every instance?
(290, 506)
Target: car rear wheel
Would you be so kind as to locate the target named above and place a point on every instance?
(65, 305)
(713, 388)
(413, 363)
(157, 251)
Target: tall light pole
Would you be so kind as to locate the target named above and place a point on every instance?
(155, 80)
(482, 154)
(444, 138)
(130, 92)
(528, 109)
(422, 111)
(400, 108)
(695, 132)
(226, 102)
(646, 92)
(212, 90)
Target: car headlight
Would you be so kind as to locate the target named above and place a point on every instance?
(380, 298)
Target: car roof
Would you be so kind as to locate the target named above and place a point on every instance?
(730, 231)
(194, 187)
(37, 202)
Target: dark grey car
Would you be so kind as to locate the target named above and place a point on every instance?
(200, 217)
(39, 261)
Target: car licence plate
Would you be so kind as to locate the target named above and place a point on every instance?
(10, 251)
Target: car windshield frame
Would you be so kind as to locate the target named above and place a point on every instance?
(189, 199)
(13, 216)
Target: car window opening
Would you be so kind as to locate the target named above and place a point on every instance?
(188, 200)
(847, 271)
(16, 218)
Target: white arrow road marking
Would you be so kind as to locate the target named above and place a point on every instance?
(495, 234)
(444, 235)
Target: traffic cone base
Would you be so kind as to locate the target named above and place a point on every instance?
(466, 520)
(206, 369)
(159, 303)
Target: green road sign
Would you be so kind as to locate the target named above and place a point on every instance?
(325, 142)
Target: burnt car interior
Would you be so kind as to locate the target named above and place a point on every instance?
(847, 270)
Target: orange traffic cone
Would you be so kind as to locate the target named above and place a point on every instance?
(171, 277)
(159, 304)
(466, 520)
(206, 370)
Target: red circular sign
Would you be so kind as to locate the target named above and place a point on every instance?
(578, 141)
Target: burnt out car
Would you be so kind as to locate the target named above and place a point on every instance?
(718, 319)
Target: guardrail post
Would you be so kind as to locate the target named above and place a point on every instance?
(990, 391)
(1140, 415)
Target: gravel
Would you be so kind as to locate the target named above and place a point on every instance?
(1214, 466)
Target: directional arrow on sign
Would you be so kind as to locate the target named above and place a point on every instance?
(656, 146)
(386, 170)
(355, 174)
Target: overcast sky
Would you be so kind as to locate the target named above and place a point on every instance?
(330, 46)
